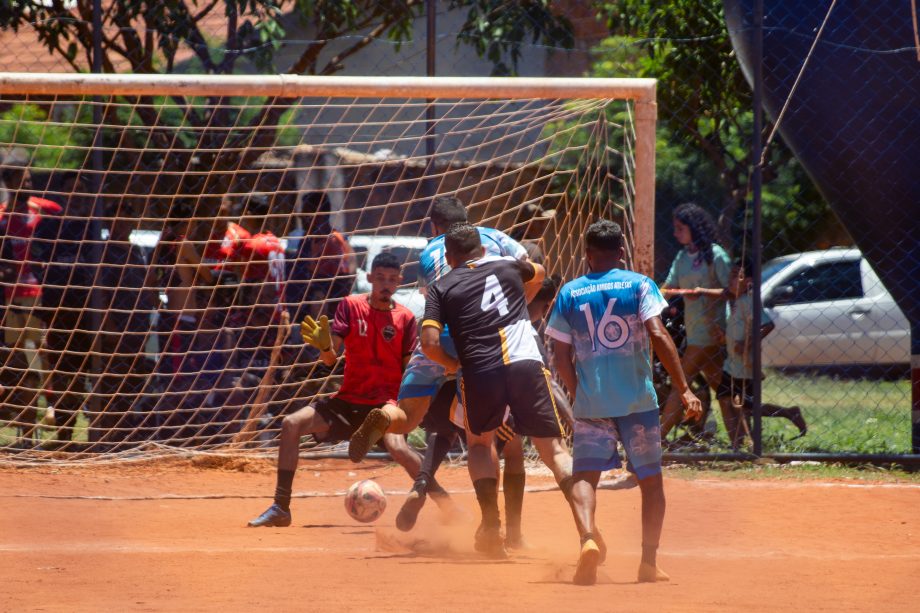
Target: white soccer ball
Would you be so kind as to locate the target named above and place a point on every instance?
(365, 501)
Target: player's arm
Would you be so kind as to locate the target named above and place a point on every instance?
(430, 335)
(667, 353)
(431, 346)
(532, 275)
(326, 337)
(565, 366)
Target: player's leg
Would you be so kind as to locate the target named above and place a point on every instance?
(583, 500)
(484, 399)
(401, 418)
(305, 421)
(692, 362)
(642, 442)
(482, 463)
(398, 448)
(731, 416)
(793, 414)
(420, 382)
(441, 437)
(513, 483)
(535, 414)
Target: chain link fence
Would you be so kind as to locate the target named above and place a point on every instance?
(839, 249)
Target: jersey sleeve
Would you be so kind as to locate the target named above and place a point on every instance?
(559, 327)
(427, 268)
(341, 323)
(651, 302)
(410, 335)
(509, 246)
(433, 308)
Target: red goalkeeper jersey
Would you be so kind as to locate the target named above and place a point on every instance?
(376, 345)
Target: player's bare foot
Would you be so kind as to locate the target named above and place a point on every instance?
(515, 541)
(602, 546)
(489, 541)
(368, 434)
(649, 573)
(588, 560)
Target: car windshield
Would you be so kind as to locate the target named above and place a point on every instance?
(774, 266)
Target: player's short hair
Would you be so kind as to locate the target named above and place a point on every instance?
(604, 235)
(462, 238)
(548, 289)
(446, 211)
(386, 260)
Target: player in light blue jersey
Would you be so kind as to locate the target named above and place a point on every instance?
(602, 324)
(423, 378)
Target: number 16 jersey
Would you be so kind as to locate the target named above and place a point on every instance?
(484, 307)
(603, 316)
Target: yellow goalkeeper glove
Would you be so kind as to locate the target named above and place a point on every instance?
(317, 333)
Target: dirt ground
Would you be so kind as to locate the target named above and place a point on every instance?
(172, 536)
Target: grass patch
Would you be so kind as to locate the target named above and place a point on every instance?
(843, 415)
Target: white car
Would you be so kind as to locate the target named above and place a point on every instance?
(407, 250)
(831, 309)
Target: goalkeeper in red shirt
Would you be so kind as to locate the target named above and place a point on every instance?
(378, 336)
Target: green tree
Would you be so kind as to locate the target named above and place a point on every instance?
(147, 36)
(705, 115)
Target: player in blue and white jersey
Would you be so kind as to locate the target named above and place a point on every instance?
(423, 377)
(602, 324)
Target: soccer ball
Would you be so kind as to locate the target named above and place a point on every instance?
(365, 501)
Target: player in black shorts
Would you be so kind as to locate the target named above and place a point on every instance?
(483, 301)
(376, 331)
(443, 424)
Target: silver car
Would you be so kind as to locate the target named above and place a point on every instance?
(831, 309)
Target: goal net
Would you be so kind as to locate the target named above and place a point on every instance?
(162, 237)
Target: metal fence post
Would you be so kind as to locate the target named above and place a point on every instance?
(756, 185)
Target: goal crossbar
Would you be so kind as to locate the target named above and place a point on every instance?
(641, 91)
(284, 86)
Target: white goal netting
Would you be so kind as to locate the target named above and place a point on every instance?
(161, 239)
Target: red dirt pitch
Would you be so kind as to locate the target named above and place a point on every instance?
(171, 536)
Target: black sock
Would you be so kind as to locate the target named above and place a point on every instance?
(514, 499)
(283, 489)
(587, 536)
(439, 445)
(649, 554)
(487, 495)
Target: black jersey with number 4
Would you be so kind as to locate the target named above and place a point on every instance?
(484, 308)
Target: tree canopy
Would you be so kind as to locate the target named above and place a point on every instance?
(704, 149)
(152, 36)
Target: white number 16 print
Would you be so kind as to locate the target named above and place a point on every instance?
(608, 324)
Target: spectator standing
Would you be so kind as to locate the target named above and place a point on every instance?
(126, 325)
(66, 248)
(700, 273)
(23, 371)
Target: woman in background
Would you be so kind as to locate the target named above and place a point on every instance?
(700, 273)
